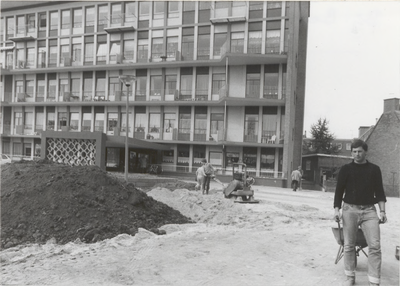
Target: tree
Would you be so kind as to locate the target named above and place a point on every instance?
(322, 138)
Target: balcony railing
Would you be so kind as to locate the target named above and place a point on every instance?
(269, 137)
(270, 92)
(200, 134)
(251, 138)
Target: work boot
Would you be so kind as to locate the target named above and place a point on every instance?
(350, 280)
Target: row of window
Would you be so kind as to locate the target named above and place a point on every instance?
(149, 125)
(100, 86)
(165, 45)
(125, 14)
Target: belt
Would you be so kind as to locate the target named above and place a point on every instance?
(361, 207)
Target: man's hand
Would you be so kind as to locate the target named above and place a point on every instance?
(337, 216)
(383, 218)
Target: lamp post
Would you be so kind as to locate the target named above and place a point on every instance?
(127, 80)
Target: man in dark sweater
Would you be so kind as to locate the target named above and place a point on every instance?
(361, 184)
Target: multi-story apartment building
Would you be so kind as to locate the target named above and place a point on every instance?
(224, 80)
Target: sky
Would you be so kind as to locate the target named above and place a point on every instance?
(353, 63)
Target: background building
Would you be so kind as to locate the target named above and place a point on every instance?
(222, 80)
(383, 141)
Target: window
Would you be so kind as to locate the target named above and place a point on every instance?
(18, 118)
(144, 8)
(114, 85)
(65, 19)
(41, 86)
(116, 13)
(77, 18)
(200, 123)
(273, 37)
(42, 21)
(141, 82)
(348, 146)
(88, 87)
(123, 122)
(267, 162)
(199, 153)
(253, 78)
(112, 121)
(51, 119)
(219, 41)
(130, 12)
(140, 119)
(202, 85)
(203, 44)
(99, 122)
(128, 50)
(89, 50)
(218, 83)
(271, 81)
(31, 21)
(39, 119)
(62, 120)
(255, 38)
(169, 122)
(143, 46)
(52, 88)
(89, 20)
(155, 85)
(101, 48)
(154, 125)
(172, 46)
(102, 17)
(216, 159)
(30, 87)
(231, 158)
(170, 84)
(250, 157)
(217, 123)
(284, 77)
(100, 86)
(269, 124)
(173, 9)
(187, 43)
(237, 42)
(183, 155)
(10, 27)
(184, 122)
(74, 121)
(157, 49)
(86, 121)
(204, 11)
(158, 9)
(256, 9)
(274, 9)
(251, 124)
(186, 83)
(65, 58)
(77, 53)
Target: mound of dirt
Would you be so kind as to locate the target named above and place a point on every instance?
(44, 200)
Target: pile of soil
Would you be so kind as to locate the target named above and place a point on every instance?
(43, 200)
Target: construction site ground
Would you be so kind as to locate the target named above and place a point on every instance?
(82, 226)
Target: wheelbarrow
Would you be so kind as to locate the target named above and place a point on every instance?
(360, 242)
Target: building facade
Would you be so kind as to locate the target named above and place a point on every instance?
(220, 80)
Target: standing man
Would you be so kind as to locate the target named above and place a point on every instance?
(296, 177)
(361, 184)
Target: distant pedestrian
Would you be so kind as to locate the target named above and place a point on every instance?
(359, 186)
(296, 177)
(209, 173)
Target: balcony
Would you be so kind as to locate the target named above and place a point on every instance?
(269, 137)
(24, 33)
(270, 92)
(154, 133)
(120, 23)
(251, 138)
(139, 133)
(200, 135)
(203, 54)
(184, 134)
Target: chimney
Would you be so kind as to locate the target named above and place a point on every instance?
(362, 130)
(391, 104)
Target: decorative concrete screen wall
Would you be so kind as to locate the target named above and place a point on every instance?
(74, 149)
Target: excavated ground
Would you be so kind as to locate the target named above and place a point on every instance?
(43, 200)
